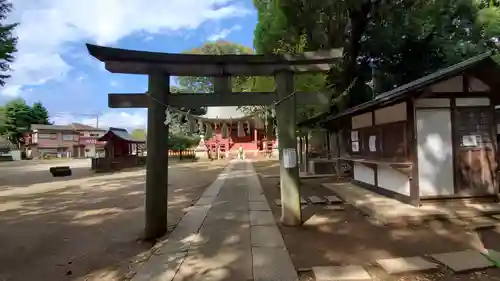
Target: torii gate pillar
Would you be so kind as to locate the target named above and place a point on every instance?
(289, 177)
(157, 161)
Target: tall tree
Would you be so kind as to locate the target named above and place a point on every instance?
(16, 118)
(394, 41)
(204, 84)
(139, 134)
(8, 41)
(39, 114)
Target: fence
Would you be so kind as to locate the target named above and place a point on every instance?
(185, 153)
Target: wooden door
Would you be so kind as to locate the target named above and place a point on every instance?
(475, 151)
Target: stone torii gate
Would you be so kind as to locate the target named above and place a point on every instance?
(160, 66)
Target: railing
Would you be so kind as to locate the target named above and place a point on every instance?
(184, 153)
(117, 163)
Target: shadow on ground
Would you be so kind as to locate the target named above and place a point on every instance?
(86, 228)
(347, 237)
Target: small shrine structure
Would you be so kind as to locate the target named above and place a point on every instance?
(226, 129)
(122, 150)
(433, 140)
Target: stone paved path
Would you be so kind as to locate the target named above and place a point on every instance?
(222, 238)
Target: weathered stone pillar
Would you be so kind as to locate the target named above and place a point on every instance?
(289, 177)
(157, 158)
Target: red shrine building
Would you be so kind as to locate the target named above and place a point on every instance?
(227, 129)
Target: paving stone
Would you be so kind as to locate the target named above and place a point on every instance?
(481, 222)
(205, 201)
(257, 198)
(317, 199)
(262, 218)
(401, 265)
(463, 261)
(266, 236)
(496, 217)
(277, 202)
(341, 273)
(272, 264)
(259, 206)
(333, 199)
(160, 267)
(302, 200)
(334, 208)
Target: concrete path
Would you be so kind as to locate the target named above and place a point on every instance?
(230, 234)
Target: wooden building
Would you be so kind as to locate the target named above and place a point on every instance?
(230, 131)
(433, 138)
(122, 150)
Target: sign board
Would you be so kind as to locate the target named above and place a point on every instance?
(355, 146)
(373, 143)
(289, 158)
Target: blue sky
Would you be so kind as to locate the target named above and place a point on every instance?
(53, 66)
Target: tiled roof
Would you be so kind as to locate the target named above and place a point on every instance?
(83, 127)
(52, 127)
(120, 133)
(408, 89)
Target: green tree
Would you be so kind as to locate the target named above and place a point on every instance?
(139, 134)
(204, 84)
(16, 118)
(394, 42)
(39, 114)
(8, 42)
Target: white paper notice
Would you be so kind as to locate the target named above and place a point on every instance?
(354, 135)
(469, 140)
(355, 146)
(289, 158)
(372, 143)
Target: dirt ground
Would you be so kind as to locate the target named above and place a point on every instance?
(86, 227)
(348, 238)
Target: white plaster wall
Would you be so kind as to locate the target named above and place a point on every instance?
(479, 101)
(476, 85)
(391, 114)
(364, 174)
(435, 160)
(362, 120)
(454, 84)
(437, 102)
(392, 180)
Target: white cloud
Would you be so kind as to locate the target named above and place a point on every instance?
(46, 26)
(222, 34)
(112, 118)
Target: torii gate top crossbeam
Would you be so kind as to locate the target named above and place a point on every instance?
(142, 62)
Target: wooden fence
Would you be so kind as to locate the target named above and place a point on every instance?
(186, 153)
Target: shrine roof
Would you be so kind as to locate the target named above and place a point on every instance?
(121, 134)
(482, 66)
(116, 54)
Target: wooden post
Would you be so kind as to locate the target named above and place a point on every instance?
(306, 154)
(301, 153)
(157, 160)
(289, 177)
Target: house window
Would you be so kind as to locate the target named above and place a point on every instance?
(355, 145)
(67, 137)
(47, 136)
(94, 135)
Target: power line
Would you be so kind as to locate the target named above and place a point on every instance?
(66, 114)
